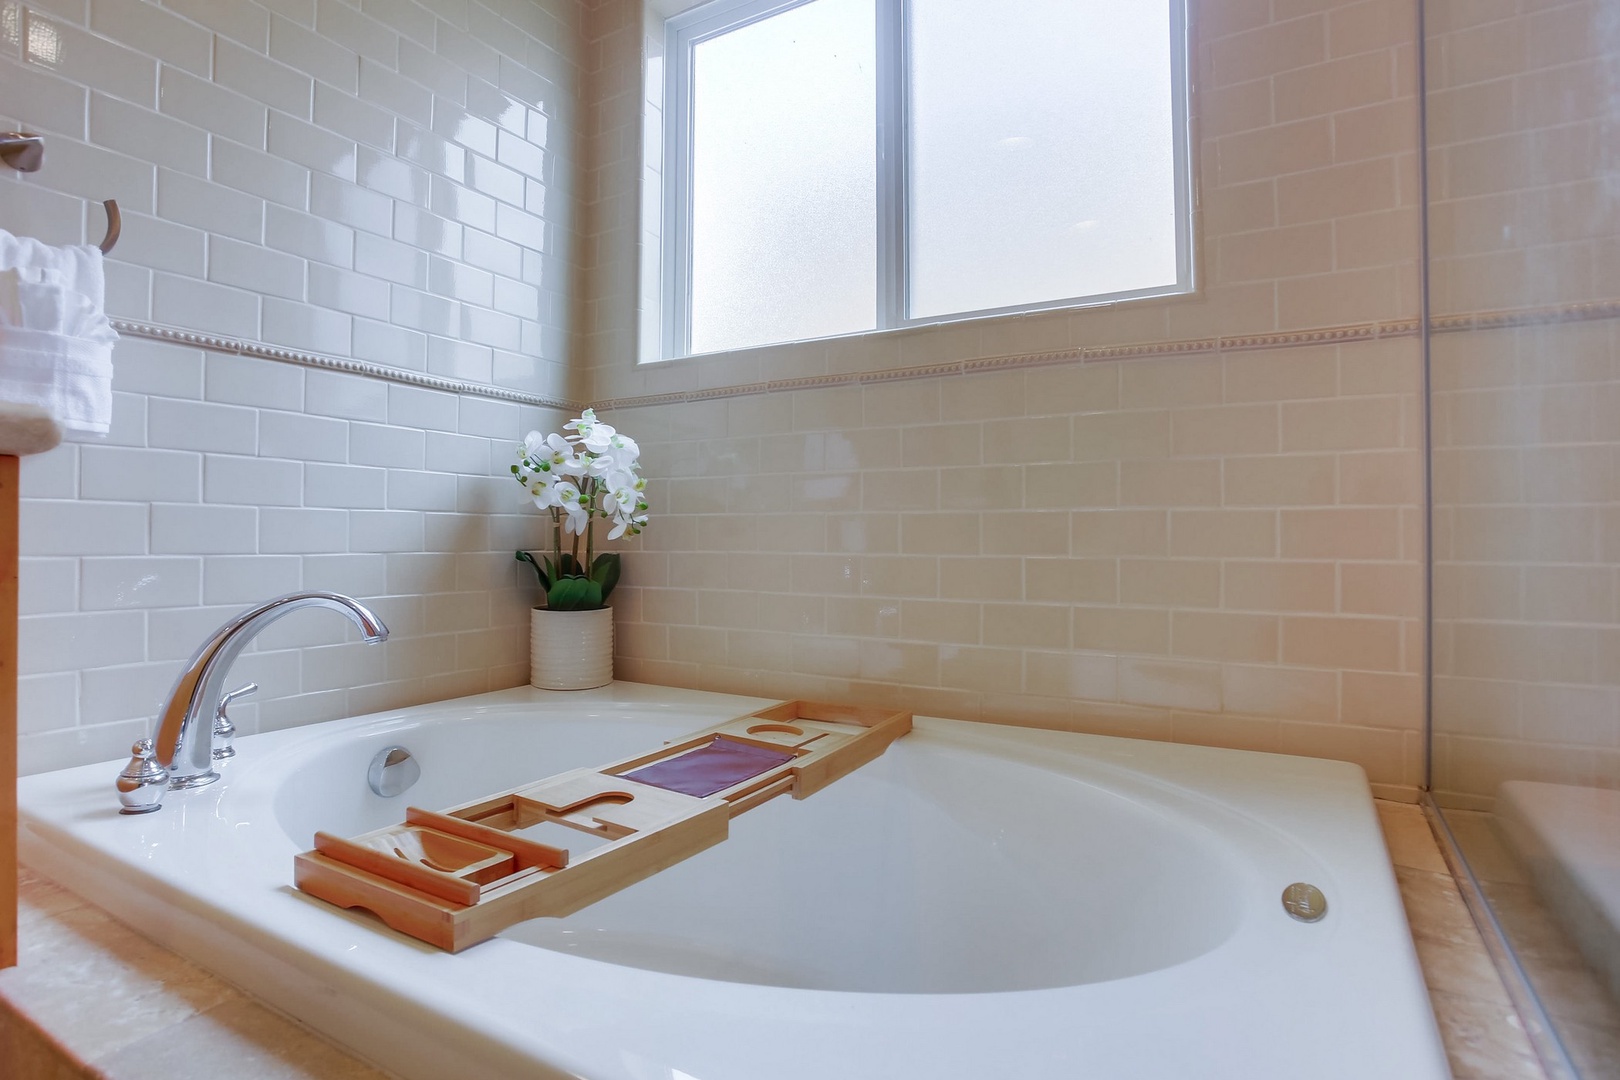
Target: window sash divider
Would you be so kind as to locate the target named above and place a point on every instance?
(893, 243)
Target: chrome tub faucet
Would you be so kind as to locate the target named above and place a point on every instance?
(181, 751)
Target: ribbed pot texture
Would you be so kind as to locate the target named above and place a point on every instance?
(570, 650)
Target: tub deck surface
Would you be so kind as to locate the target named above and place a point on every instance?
(1234, 1009)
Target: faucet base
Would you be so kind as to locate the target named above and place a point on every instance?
(141, 809)
(180, 783)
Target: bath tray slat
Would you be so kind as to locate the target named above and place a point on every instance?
(459, 876)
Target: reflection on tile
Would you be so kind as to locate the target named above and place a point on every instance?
(101, 987)
(1536, 937)
(1595, 1050)
(1487, 856)
(1583, 1013)
(1462, 969)
(87, 988)
(258, 1044)
(1411, 843)
(1435, 907)
(1482, 1033)
(1483, 1041)
(41, 899)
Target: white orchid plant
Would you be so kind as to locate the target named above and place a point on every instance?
(593, 472)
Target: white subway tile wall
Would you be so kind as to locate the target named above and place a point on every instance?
(391, 181)
(134, 553)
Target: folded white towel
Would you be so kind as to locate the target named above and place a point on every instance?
(55, 339)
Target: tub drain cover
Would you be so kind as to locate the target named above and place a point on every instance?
(1304, 902)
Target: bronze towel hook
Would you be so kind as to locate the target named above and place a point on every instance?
(115, 225)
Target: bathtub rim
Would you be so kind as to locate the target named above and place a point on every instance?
(222, 941)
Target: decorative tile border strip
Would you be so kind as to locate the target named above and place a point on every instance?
(1333, 335)
(1289, 339)
(1497, 320)
(1090, 354)
(259, 350)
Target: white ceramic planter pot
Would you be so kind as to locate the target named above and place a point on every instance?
(570, 650)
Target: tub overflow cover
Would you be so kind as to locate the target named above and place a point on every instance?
(1304, 902)
(392, 771)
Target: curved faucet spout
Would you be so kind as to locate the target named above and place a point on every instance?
(183, 740)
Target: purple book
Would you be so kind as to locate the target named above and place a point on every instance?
(708, 769)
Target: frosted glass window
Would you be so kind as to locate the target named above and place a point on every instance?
(784, 178)
(1042, 152)
(838, 166)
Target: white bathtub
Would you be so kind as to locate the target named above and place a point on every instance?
(979, 902)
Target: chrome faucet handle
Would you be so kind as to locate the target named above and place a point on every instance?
(224, 730)
(142, 783)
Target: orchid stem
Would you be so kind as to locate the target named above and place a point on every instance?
(590, 528)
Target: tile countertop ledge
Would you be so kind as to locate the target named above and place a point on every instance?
(92, 998)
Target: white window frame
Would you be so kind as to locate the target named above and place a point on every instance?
(682, 33)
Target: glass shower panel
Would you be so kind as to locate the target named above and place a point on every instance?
(1522, 104)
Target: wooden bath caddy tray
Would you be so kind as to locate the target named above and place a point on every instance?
(456, 877)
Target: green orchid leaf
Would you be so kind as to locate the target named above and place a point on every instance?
(574, 594)
(605, 572)
(539, 572)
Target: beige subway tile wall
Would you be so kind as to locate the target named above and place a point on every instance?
(813, 543)
(1213, 541)
(1527, 411)
(1527, 558)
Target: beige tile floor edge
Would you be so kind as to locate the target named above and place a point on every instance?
(92, 998)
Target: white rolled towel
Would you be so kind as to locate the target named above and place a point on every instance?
(55, 339)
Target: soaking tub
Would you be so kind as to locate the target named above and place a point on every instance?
(980, 901)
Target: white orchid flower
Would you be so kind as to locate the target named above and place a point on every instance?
(616, 479)
(619, 501)
(581, 422)
(543, 489)
(593, 435)
(559, 457)
(573, 505)
(623, 503)
(592, 471)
